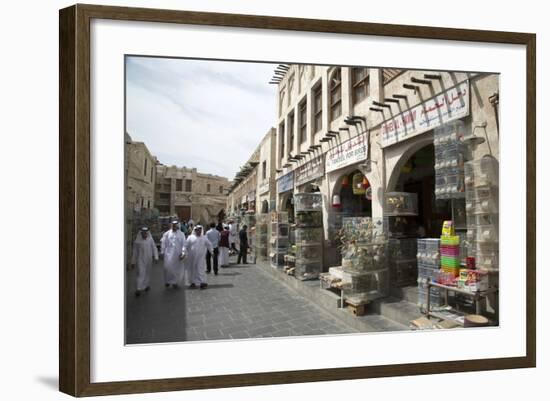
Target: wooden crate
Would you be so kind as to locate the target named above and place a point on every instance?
(358, 309)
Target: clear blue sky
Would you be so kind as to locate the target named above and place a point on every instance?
(197, 113)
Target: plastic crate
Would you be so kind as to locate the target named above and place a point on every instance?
(401, 203)
(426, 273)
(435, 298)
(488, 233)
(305, 202)
(481, 172)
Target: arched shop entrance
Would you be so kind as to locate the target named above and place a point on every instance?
(416, 174)
(354, 195)
(287, 205)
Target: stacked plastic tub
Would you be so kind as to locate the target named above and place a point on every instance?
(482, 212)
(428, 258)
(308, 235)
(449, 249)
(449, 161)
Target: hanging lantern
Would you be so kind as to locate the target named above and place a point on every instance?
(345, 181)
(357, 180)
(336, 200)
(366, 183)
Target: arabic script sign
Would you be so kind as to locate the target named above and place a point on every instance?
(349, 152)
(448, 106)
(309, 171)
(263, 187)
(286, 182)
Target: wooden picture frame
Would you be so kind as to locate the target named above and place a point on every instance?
(75, 208)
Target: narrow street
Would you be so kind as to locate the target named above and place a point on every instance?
(240, 302)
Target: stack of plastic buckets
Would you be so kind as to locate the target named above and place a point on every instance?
(450, 254)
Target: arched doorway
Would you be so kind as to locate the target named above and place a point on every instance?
(265, 207)
(354, 195)
(416, 174)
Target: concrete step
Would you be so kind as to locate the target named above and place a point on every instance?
(398, 310)
(409, 293)
(330, 303)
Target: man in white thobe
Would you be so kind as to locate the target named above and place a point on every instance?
(145, 252)
(232, 237)
(172, 247)
(195, 248)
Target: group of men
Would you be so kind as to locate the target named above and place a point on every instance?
(193, 256)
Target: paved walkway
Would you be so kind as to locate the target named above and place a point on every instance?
(240, 302)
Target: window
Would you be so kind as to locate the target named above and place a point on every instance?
(221, 189)
(317, 108)
(388, 74)
(335, 86)
(264, 169)
(148, 204)
(282, 138)
(207, 187)
(359, 84)
(145, 169)
(188, 185)
(281, 100)
(164, 196)
(151, 173)
(179, 185)
(291, 132)
(290, 89)
(302, 113)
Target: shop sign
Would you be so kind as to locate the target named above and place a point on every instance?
(310, 171)
(349, 152)
(285, 183)
(264, 187)
(447, 106)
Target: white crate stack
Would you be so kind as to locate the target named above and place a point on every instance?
(481, 178)
(308, 210)
(279, 232)
(449, 161)
(428, 258)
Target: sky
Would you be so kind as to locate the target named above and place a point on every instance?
(199, 113)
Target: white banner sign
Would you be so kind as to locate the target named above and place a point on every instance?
(450, 105)
(349, 152)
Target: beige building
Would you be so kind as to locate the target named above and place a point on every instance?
(140, 176)
(342, 127)
(241, 197)
(187, 193)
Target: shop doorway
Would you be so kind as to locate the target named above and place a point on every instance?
(417, 175)
(354, 195)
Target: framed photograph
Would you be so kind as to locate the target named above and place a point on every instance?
(314, 200)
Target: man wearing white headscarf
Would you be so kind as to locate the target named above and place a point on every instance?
(172, 246)
(196, 247)
(145, 251)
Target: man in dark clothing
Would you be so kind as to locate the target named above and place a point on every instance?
(243, 237)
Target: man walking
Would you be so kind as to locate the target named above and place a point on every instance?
(172, 247)
(195, 248)
(213, 236)
(243, 248)
(224, 247)
(145, 251)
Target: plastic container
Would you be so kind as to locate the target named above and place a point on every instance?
(435, 298)
(488, 233)
(450, 261)
(450, 240)
(481, 172)
(426, 274)
(305, 202)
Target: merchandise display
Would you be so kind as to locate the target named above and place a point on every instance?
(401, 204)
(482, 212)
(279, 238)
(262, 239)
(428, 258)
(307, 236)
(449, 160)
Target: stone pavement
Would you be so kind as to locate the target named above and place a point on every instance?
(240, 302)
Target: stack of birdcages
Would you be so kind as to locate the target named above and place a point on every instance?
(364, 269)
(482, 212)
(261, 239)
(279, 238)
(400, 211)
(449, 161)
(308, 235)
(428, 258)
